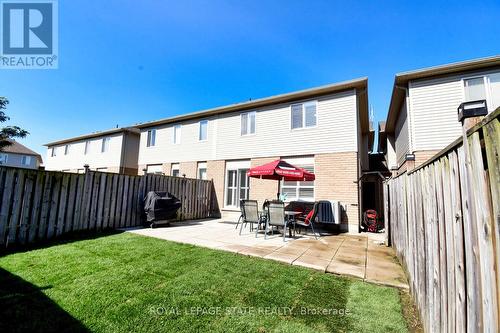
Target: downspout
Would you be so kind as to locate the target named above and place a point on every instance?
(121, 168)
(409, 116)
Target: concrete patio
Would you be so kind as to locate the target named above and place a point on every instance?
(361, 256)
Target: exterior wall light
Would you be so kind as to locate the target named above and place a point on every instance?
(472, 109)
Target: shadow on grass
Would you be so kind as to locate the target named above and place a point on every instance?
(63, 239)
(25, 308)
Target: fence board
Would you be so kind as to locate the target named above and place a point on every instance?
(70, 213)
(63, 202)
(443, 221)
(39, 205)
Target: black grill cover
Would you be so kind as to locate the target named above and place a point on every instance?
(160, 206)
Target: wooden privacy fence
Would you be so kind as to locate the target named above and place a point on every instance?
(444, 221)
(39, 205)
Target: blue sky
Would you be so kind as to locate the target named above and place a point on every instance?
(123, 62)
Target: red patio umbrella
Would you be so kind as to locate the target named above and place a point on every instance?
(280, 170)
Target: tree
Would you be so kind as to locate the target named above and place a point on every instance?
(10, 132)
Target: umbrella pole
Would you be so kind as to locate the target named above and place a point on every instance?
(278, 194)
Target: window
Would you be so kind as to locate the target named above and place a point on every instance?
(248, 123)
(156, 169)
(53, 153)
(203, 135)
(66, 150)
(301, 191)
(303, 115)
(175, 170)
(87, 147)
(105, 145)
(237, 187)
(202, 170)
(177, 134)
(26, 160)
(151, 138)
(3, 158)
(494, 91)
(474, 89)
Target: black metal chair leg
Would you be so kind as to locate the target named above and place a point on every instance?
(239, 219)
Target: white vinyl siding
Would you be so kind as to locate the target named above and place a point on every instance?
(303, 115)
(433, 108)
(335, 131)
(203, 133)
(151, 138)
(177, 134)
(248, 123)
(87, 152)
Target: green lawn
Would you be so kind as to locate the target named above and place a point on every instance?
(124, 282)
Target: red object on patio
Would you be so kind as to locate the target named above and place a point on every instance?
(280, 170)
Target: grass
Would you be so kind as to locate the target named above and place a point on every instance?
(125, 282)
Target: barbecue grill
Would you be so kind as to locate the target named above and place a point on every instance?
(160, 208)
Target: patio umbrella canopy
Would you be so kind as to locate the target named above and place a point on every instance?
(280, 170)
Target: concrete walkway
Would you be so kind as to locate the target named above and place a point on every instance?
(360, 256)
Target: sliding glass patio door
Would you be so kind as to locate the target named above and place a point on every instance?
(237, 187)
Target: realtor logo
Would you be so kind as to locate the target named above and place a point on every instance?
(28, 34)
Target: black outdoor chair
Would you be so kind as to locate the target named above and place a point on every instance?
(250, 214)
(310, 219)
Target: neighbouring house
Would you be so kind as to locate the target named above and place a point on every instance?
(325, 130)
(423, 116)
(20, 156)
(114, 150)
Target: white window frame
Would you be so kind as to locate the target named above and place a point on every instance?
(176, 135)
(105, 144)
(205, 121)
(303, 111)
(201, 166)
(151, 138)
(236, 187)
(87, 147)
(160, 172)
(26, 160)
(53, 153)
(175, 167)
(4, 158)
(305, 162)
(249, 127)
(487, 88)
(66, 149)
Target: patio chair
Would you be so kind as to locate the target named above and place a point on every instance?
(250, 214)
(310, 219)
(276, 217)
